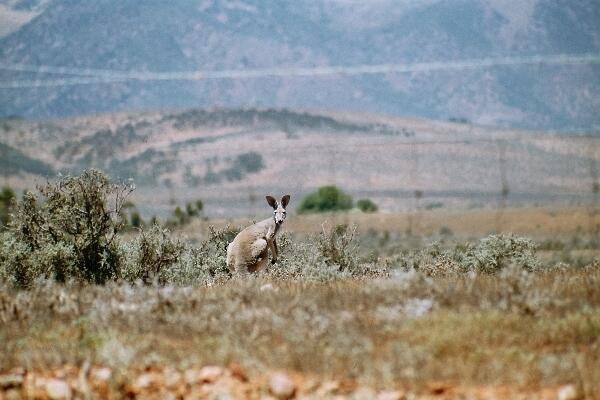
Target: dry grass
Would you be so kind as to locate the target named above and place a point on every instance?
(389, 311)
(534, 221)
(527, 330)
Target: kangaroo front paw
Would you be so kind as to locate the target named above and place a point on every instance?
(273, 261)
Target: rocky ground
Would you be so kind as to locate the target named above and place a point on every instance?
(233, 382)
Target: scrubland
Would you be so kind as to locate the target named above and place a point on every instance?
(346, 311)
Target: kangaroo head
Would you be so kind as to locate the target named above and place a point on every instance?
(278, 208)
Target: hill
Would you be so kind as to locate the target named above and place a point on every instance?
(159, 36)
(232, 157)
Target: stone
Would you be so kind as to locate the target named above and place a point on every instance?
(57, 389)
(210, 374)
(391, 395)
(101, 374)
(568, 392)
(146, 381)
(281, 386)
(328, 388)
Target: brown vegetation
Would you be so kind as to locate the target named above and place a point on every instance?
(530, 331)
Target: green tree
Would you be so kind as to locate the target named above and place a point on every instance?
(181, 218)
(366, 205)
(136, 220)
(326, 198)
(7, 198)
(191, 210)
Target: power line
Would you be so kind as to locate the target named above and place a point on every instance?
(101, 76)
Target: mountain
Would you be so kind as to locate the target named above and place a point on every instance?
(159, 36)
(230, 158)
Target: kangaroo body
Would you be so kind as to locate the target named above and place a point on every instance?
(249, 251)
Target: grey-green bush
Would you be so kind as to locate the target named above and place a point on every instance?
(68, 231)
(497, 252)
(337, 247)
(151, 255)
(490, 255)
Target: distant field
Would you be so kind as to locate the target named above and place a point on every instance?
(538, 222)
(442, 303)
(231, 158)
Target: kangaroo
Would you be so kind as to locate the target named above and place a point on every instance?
(249, 250)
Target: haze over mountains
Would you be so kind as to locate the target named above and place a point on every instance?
(231, 158)
(160, 36)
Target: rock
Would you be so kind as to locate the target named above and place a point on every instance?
(281, 385)
(210, 374)
(11, 381)
(328, 388)
(146, 381)
(101, 374)
(391, 395)
(568, 392)
(57, 389)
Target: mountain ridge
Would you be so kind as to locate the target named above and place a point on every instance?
(190, 35)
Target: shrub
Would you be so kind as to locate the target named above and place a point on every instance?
(326, 198)
(205, 264)
(194, 209)
(492, 254)
(245, 163)
(496, 252)
(136, 220)
(250, 162)
(130, 217)
(213, 250)
(7, 198)
(67, 233)
(337, 248)
(151, 255)
(182, 217)
(366, 205)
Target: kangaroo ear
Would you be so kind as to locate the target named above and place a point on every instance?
(272, 202)
(285, 200)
